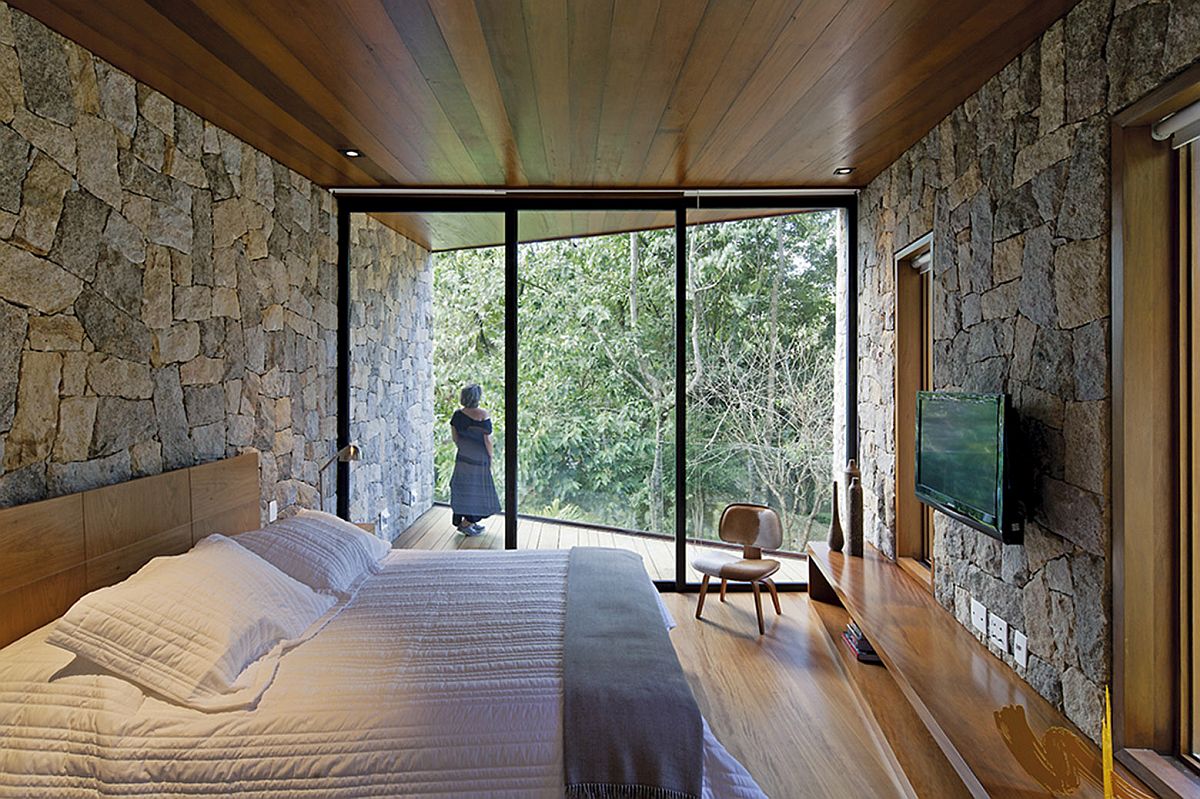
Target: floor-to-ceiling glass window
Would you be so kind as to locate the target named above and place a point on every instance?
(468, 359)
(560, 327)
(760, 373)
(596, 383)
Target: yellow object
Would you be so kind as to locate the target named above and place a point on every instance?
(1106, 747)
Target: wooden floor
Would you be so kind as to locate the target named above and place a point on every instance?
(782, 703)
(434, 531)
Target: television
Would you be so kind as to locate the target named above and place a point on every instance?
(963, 461)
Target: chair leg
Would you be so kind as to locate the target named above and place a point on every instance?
(723, 581)
(774, 596)
(758, 607)
(703, 591)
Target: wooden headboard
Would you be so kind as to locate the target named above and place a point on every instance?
(54, 551)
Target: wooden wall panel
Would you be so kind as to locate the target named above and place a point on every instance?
(120, 515)
(113, 567)
(54, 551)
(225, 496)
(24, 609)
(40, 540)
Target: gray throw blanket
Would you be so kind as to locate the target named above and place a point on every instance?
(631, 727)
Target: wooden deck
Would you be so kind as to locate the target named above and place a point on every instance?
(434, 531)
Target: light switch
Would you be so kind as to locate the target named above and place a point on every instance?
(272, 511)
(979, 616)
(998, 632)
(1020, 648)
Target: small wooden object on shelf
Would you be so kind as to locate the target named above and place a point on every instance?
(836, 538)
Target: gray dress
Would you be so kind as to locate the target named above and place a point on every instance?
(472, 489)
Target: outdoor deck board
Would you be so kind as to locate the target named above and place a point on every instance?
(433, 531)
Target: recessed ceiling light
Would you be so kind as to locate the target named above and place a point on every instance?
(350, 153)
(843, 170)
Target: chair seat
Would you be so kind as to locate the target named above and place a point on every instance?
(729, 566)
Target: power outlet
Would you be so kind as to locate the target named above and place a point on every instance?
(272, 511)
(1020, 648)
(998, 633)
(979, 616)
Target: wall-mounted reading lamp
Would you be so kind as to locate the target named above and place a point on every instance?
(350, 452)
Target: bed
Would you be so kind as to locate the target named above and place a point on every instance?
(437, 675)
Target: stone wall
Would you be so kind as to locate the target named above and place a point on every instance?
(167, 293)
(391, 376)
(1014, 185)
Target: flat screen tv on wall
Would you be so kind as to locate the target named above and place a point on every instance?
(963, 461)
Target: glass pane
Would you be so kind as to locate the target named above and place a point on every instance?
(760, 413)
(468, 375)
(596, 326)
(425, 325)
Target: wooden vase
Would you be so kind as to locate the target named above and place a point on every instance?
(836, 538)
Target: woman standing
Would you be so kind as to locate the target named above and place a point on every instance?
(472, 491)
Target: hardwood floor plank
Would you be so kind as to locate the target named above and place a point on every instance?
(815, 740)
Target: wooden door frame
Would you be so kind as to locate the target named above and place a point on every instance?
(1146, 429)
(913, 354)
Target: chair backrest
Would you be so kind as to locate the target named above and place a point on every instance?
(755, 527)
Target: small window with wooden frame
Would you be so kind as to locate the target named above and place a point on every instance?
(1156, 438)
(914, 372)
(1189, 419)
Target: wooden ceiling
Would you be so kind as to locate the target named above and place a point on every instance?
(564, 93)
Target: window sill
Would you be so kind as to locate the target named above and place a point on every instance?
(1165, 775)
(918, 571)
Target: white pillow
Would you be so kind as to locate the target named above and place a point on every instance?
(318, 549)
(204, 629)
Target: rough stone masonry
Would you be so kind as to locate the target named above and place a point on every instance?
(167, 293)
(1014, 185)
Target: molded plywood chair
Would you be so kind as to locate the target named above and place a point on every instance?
(755, 527)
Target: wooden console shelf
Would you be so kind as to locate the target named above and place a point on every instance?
(948, 679)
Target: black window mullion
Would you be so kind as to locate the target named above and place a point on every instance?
(681, 267)
(510, 379)
(343, 360)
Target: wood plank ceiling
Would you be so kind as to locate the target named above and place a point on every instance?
(563, 93)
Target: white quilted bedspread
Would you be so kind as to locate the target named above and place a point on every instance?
(442, 677)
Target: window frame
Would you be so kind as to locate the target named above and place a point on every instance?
(1152, 481)
(913, 372)
(511, 202)
(1189, 394)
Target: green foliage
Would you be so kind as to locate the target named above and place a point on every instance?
(597, 360)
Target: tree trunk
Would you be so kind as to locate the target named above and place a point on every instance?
(695, 293)
(656, 475)
(808, 523)
(773, 326)
(634, 259)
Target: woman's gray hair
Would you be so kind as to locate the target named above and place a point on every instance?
(471, 395)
